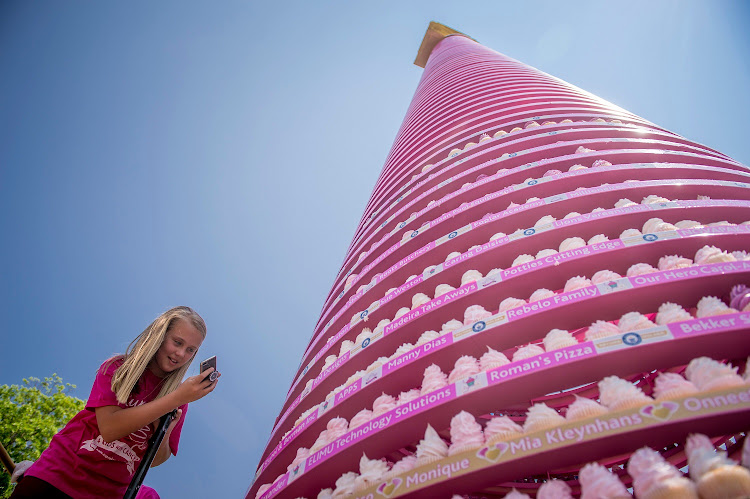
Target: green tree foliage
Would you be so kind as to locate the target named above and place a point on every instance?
(30, 415)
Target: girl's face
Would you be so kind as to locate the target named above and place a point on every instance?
(179, 346)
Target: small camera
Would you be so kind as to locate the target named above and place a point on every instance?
(211, 362)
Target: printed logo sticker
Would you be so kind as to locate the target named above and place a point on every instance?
(478, 326)
(452, 234)
(631, 339)
(296, 472)
(614, 286)
(532, 182)
(471, 383)
(387, 489)
(493, 453)
(529, 232)
(660, 412)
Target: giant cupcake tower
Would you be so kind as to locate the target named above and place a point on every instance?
(545, 293)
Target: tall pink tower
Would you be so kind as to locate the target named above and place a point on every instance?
(543, 278)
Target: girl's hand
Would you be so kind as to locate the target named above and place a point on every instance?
(196, 387)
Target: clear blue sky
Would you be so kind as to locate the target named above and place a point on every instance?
(219, 155)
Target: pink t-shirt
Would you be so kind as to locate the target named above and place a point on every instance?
(80, 463)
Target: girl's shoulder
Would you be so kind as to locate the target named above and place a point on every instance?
(110, 365)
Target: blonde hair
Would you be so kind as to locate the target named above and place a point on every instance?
(144, 347)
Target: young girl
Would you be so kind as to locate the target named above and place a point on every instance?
(98, 451)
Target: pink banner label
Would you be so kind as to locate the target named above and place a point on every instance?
(690, 272)
(710, 324)
(540, 362)
(416, 353)
(377, 424)
(328, 370)
(552, 302)
(348, 391)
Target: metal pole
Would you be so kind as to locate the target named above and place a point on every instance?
(148, 458)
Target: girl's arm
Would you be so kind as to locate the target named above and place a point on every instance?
(115, 422)
(165, 451)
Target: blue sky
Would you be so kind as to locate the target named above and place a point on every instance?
(219, 155)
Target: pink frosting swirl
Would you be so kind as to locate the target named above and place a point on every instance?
(541, 294)
(634, 321)
(649, 469)
(405, 464)
(302, 454)
(601, 329)
(521, 259)
(598, 238)
(408, 396)
(441, 289)
(362, 417)
(418, 300)
(470, 275)
(492, 359)
(370, 471)
(671, 312)
(709, 306)
(576, 282)
(465, 431)
(527, 352)
(707, 373)
(615, 392)
(431, 446)
(669, 385)
(510, 303)
(336, 428)
(572, 243)
(583, 408)
(674, 262)
(598, 482)
(554, 489)
(712, 254)
(434, 379)
(630, 233)
(475, 313)
(740, 298)
(604, 276)
(640, 269)
(600, 163)
(540, 416)
(557, 339)
(345, 485)
(501, 425)
(451, 325)
(466, 365)
(383, 404)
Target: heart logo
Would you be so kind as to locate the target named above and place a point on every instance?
(493, 452)
(661, 412)
(388, 488)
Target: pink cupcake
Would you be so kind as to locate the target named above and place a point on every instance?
(709, 374)
(466, 433)
(418, 300)
(527, 352)
(345, 485)
(597, 482)
(710, 306)
(624, 203)
(442, 289)
(688, 224)
(583, 408)
(302, 454)
(475, 313)
(654, 199)
(465, 366)
(716, 475)
(541, 294)
(541, 417)
(617, 394)
(470, 276)
(407, 463)
(501, 428)
(545, 253)
(640, 269)
(739, 298)
(712, 254)
(576, 282)
(492, 359)
(671, 312)
(451, 326)
(630, 233)
(601, 329)
(521, 259)
(655, 478)
(320, 442)
(598, 238)
(557, 339)
(671, 386)
(674, 262)
(434, 379)
(634, 321)
(431, 448)
(510, 303)
(601, 162)
(554, 489)
(427, 336)
(572, 243)
(371, 471)
(408, 396)
(383, 404)
(362, 417)
(604, 276)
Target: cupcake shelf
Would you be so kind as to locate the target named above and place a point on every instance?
(555, 201)
(392, 261)
(574, 262)
(518, 326)
(656, 348)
